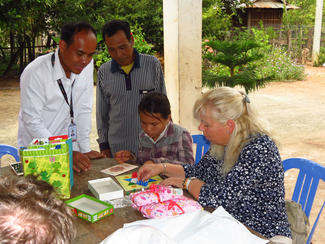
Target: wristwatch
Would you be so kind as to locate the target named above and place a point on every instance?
(188, 181)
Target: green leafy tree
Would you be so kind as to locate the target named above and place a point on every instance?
(305, 15)
(238, 57)
(214, 21)
(298, 26)
(23, 22)
(146, 15)
(217, 17)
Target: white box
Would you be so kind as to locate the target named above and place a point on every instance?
(105, 189)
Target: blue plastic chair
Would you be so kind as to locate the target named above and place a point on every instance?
(202, 146)
(306, 185)
(6, 149)
(315, 224)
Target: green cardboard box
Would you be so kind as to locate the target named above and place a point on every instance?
(89, 208)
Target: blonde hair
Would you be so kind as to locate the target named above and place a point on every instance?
(31, 213)
(225, 104)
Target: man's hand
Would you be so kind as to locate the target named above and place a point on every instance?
(106, 153)
(122, 156)
(80, 162)
(94, 155)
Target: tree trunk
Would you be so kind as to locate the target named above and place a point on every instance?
(21, 58)
(310, 38)
(232, 71)
(33, 53)
(3, 54)
(12, 44)
(48, 41)
(289, 40)
(22, 45)
(29, 49)
(12, 61)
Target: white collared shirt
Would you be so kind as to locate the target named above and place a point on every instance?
(43, 109)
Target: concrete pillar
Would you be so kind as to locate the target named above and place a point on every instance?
(249, 20)
(317, 31)
(182, 58)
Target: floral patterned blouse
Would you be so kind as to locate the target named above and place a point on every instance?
(253, 190)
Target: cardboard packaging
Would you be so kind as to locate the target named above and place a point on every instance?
(51, 161)
(105, 189)
(89, 208)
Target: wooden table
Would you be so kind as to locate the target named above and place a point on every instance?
(87, 232)
(96, 232)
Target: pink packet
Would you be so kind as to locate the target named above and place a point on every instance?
(155, 194)
(175, 206)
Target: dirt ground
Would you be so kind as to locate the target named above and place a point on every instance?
(295, 110)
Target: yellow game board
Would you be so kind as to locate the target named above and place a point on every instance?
(125, 182)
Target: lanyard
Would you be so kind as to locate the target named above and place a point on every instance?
(63, 90)
(66, 97)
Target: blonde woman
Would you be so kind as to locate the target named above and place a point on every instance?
(242, 171)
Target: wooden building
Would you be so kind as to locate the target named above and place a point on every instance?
(268, 11)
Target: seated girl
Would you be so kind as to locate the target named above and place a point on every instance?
(160, 139)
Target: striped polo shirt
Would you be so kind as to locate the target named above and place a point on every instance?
(117, 98)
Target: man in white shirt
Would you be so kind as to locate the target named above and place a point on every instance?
(57, 94)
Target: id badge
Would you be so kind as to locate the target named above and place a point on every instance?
(72, 132)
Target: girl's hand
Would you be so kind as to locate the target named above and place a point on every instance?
(122, 156)
(173, 181)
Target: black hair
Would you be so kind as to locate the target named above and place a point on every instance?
(155, 102)
(110, 28)
(69, 30)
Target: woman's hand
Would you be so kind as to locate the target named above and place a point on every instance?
(173, 181)
(149, 170)
(122, 156)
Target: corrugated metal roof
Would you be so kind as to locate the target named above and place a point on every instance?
(270, 4)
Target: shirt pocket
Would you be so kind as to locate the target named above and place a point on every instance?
(146, 91)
